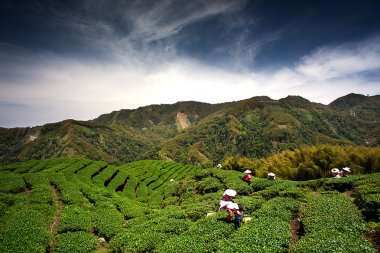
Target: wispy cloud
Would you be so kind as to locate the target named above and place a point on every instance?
(142, 66)
(87, 90)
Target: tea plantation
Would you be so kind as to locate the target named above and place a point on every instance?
(79, 205)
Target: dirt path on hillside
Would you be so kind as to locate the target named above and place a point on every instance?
(57, 217)
(296, 229)
(374, 237)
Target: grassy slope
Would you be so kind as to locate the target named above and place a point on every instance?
(71, 203)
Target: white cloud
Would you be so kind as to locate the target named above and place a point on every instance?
(342, 60)
(59, 88)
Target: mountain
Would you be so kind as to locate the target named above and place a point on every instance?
(200, 133)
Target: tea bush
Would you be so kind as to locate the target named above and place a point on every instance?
(107, 219)
(332, 223)
(24, 229)
(146, 241)
(69, 191)
(232, 180)
(262, 235)
(210, 184)
(202, 236)
(87, 173)
(79, 242)
(11, 182)
(41, 190)
(75, 218)
(100, 179)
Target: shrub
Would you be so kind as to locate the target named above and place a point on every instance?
(210, 184)
(74, 218)
(41, 189)
(25, 230)
(79, 242)
(262, 235)
(332, 223)
(107, 220)
(11, 182)
(134, 243)
(251, 204)
(202, 236)
(332, 241)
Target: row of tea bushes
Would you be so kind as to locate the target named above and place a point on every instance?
(367, 196)
(268, 232)
(41, 190)
(332, 223)
(11, 182)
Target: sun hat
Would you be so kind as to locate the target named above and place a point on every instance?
(232, 206)
(247, 172)
(231, 193)
(346, 169)
(335, 170)
(271, 174)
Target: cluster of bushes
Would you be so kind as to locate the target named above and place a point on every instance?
(69, 191)
(172, 216)
(268, 232)
(89, 171)
(332, 223)
(102, 179)
(11, 182)
(41, 190)
(75, 242)
(232, 180)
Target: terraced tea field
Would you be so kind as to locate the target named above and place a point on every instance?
(79, 205)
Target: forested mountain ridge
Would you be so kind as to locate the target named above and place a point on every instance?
(201, 133)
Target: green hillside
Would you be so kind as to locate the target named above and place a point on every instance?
(81, 205)
(199, 133)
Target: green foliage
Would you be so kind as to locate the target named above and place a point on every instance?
(85, 198)
(11, 182)
(145, 241)
(24, 229)
(336, 222)
(238, 163)
(210, 184)
(264, 235)
(313, 162)
(80, 242)
(41, 190)
(202, 236)
(107, 219)
(74, 218)
(253, 128)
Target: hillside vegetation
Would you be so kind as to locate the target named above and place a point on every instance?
(81, 205)
(199, 133)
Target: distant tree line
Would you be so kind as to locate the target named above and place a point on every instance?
(310, 162)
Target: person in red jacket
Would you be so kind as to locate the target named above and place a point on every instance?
(247, 177)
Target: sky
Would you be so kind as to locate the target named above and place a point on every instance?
(78, 59)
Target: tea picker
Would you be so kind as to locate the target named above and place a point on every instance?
(235, 210)
(271, 176)
(344, 172)
(227, 198)
(247, 177)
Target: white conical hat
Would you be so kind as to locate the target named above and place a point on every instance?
(232, 206)
(231, 193)
(346, 169)
(247, 172)
(271, 174)
(335, 170)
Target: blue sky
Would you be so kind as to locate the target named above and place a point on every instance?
(79, 59)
